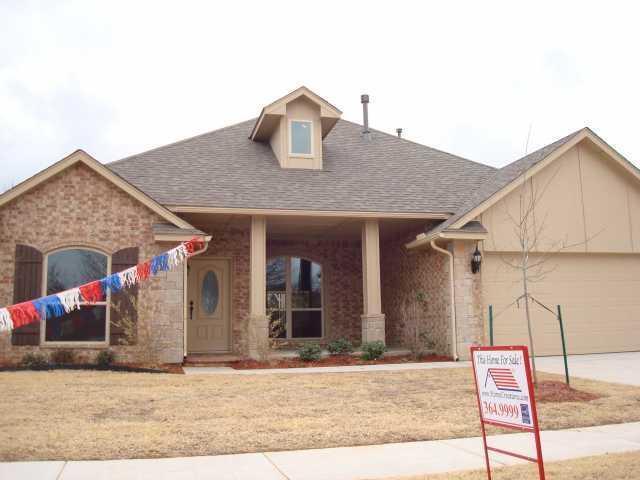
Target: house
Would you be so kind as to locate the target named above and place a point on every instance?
(319, 228)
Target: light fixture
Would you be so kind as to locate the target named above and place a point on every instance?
(476, 260)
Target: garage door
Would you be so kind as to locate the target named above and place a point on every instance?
(599, 294)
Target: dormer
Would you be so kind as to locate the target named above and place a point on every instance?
(295, 126)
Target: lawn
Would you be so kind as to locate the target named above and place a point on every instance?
(619, 466)
(75, 415)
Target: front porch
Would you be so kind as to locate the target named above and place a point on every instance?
(267, 284)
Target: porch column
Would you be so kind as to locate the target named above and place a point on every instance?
(372, 319)
(258, 325)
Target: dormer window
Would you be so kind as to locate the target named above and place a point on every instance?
(301, 137)
(294, 126)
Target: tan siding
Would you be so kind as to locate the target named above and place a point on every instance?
(605, 200)
(582, 195)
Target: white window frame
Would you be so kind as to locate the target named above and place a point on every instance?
(304, 155)
(288, 299)
(106, 303)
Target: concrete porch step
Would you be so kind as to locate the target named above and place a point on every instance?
(199, 359)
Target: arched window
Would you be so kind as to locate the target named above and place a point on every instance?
(70, 268)
(294, 298)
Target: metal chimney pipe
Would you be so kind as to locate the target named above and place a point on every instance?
(399, 132)
(365, 113)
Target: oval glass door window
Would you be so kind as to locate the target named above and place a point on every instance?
(210, 293)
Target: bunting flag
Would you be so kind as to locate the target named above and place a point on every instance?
(59, 304)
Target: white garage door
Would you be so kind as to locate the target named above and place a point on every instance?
(599, 295)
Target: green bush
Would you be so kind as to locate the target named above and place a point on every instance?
(35, 361)
(373, 350)
(310, 352)
(105, 358)
(342, 346)
(62, 357)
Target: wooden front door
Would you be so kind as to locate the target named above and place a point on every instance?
(209, 309)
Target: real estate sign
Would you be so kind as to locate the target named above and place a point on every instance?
(505, 396)
(503, 387)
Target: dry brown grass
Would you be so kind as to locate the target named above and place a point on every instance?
(618, 466)
(105, 415)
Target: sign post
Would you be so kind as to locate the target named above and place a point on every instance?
(506, 397)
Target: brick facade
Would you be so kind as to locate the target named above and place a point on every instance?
(78, 207)
(406, 274)
(469, 304)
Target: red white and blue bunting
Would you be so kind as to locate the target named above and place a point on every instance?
(59, 304)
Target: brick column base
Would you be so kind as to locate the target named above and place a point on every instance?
(258, 337)
(373, 328)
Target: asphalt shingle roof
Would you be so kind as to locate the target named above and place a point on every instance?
(224, 168)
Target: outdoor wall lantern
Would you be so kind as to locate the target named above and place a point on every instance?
(476, 260)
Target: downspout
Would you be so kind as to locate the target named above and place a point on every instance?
(454, 327)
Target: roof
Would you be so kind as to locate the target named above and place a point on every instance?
(224, 168)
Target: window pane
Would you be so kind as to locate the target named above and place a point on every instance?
(72, 268)
(85, 325)
(210, 293)
(301, 137)
(306, 324)
(276, 297)
(306, 283)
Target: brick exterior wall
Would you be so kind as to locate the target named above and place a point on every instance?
(342, 283)
(404, 274)
(469, 303)
(78, 207)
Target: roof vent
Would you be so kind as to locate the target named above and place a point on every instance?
(399, 132)
(365, 114)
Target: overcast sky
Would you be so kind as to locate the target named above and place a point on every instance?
(117, 78)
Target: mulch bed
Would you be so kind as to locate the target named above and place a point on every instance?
(332, 361)
(554, 391)
(129, 368)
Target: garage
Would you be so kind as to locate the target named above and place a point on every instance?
(599, 294)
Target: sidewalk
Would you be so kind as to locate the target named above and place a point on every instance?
(347, 463)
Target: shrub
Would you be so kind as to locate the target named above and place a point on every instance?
(62, 357)
(342, 346)
(373, 350)
(105, 358)
(35, 361)
(310, 352)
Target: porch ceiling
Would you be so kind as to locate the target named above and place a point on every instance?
(305, 227)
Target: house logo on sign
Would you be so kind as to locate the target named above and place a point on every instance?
(503, 379)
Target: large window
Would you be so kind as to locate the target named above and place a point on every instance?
(294, 298)
(301, 133)
(71, 268)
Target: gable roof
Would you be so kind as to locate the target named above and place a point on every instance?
(225, 169)
(506, 179)
(80, 156)
(329, 114)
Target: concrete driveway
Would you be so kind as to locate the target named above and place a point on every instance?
(606, 367)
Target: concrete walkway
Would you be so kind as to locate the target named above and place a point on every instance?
(606, 367)
(348, 463)
(389, 367)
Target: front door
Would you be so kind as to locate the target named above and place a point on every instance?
(209, 318)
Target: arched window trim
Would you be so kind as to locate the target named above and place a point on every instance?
(288, 296)
(106, 303)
